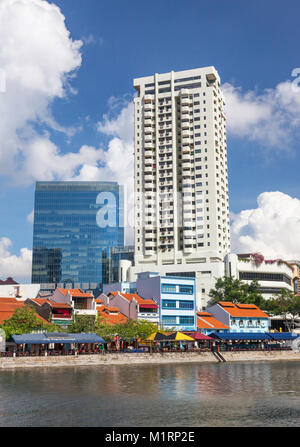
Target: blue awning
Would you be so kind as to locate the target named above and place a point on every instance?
(283, 335)
(241, 336)
(30, 339)
(57, 337)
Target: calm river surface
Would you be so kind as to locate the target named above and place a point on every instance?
(230, 394)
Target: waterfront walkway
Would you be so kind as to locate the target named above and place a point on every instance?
(144, 358)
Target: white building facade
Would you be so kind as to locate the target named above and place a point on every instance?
(272, 275)
(181, 180)
(20, 291)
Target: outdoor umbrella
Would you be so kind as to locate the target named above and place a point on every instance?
(156, 336)
(178, 336)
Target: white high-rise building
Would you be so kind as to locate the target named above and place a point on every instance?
(181, 182)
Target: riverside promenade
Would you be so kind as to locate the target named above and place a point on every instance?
(144, 358)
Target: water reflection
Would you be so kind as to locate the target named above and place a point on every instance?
(230, 394)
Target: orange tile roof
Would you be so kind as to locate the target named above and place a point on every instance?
(131, 296)
(243, 310)
(206, 321)
(42, 301)
(7, 311)
(111, 319)
(9, 300)
(76, 293)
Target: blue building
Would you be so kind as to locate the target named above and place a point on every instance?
(74, 223)
(241, 318)
(175, 296)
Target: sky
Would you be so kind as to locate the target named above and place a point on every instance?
(66, 76)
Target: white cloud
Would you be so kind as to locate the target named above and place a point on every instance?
(30, 217)
(271, 118)
(273, 228)
(18, 267)
(38, 58)
(90, 39)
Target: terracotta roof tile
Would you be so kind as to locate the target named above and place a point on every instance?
(131, 296)
(7, 311)
(76, 293)
(206, 321)
(243, 310)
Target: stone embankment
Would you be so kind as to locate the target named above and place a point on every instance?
(143, 358)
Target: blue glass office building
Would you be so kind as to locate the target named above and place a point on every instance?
(74, 224)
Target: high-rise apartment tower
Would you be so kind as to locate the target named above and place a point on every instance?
(181, 181)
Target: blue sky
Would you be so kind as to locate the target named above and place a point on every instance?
(253, 44)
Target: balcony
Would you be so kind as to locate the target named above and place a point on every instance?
(149, 114)
(148, 122)
(186, 157)
(188, 233)
(185, 133)
(85, 312)
(148, 145)
(148, 153)
(185, 110)
(186, 149)
(185, 92)
(148, 99)
(150, 244)
(65, 318)
(149, 177)
(186, 142)
(186, 166)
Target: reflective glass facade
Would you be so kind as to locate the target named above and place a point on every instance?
(74, 224)
(110, 265)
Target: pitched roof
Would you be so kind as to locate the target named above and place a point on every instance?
(9, 300)
(7, 310)
(8, 281)
(243, 310)
(205, 320)
(111, 318)
(131, 296)
(76, 293)
(42, 301)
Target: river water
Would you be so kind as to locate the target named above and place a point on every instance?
(229, 394)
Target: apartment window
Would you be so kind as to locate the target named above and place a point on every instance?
(168, 304)
(169, 288)
(189, 305)
(168, 320)
(186, 289)
(188, 321)
(192, 78)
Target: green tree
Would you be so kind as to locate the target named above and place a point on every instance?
(131, 330)
(83, 323)
(285, 304)
(145, 328)
(234, 290)
(25, 320)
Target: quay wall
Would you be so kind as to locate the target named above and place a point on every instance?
(144, 358)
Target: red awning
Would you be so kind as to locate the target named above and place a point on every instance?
(148, 306)
(198, 336)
